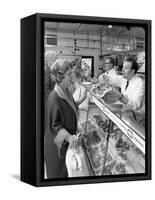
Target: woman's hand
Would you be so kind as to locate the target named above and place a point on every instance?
(72, 140)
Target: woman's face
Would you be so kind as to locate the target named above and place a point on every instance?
(67, 81)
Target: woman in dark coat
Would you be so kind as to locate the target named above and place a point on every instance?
(62, 120)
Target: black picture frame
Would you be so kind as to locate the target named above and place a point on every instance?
(92, 63)
(32, 95)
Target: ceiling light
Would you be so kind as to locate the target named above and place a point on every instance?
(109, 26)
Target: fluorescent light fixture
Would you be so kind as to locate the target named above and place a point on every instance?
(109, 26)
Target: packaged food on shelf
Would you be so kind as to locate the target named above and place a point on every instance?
(98, 118)
(93, 139)
(87, 126)
(101, 121)
(96, 157)
(109, 159)
(122, 154)
(108, 170)
(120, 168)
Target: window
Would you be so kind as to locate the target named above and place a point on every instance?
(51, 40)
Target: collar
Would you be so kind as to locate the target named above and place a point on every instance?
(133, 78)
(59, 91)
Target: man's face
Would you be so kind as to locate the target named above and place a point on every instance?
(108, 65)
(127, 72)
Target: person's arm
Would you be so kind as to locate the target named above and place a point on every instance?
(114, 96)
(60, 134)
(116, 80)
(123, 99)
(132, 100)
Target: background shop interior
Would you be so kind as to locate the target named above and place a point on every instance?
(92, 43)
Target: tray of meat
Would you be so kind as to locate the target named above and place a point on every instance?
(109, 159)
(101, 89)
(120, 168)
(109, 164)
(108, 170)
(101, 121)
(93, 139)
(98, 119)
(96, 158)
(89, 125)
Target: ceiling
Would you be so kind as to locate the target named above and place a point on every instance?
(105, 30)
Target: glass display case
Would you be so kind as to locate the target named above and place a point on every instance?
(110, 144)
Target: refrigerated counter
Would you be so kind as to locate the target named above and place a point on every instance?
(100, 126)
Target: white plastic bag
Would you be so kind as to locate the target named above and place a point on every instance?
(73, 162)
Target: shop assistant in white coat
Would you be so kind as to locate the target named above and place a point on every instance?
(110, 70)
(132, 94)
(132, 87)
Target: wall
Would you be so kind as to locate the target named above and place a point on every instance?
(87, 45)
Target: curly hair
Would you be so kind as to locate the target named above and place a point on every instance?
(59, 68)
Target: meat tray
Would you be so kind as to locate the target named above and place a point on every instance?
(101, 89)
(93, 139)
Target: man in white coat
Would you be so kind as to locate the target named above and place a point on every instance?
(110, 70)
(132, 86)
(132, 94)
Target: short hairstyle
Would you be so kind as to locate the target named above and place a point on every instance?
(59, 68)
(133, 62)
(111, 60)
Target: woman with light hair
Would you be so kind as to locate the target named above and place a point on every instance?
(62, 118)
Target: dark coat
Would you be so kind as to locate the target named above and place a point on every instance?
(60, 115)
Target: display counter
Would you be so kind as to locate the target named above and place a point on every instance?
(100, 125)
